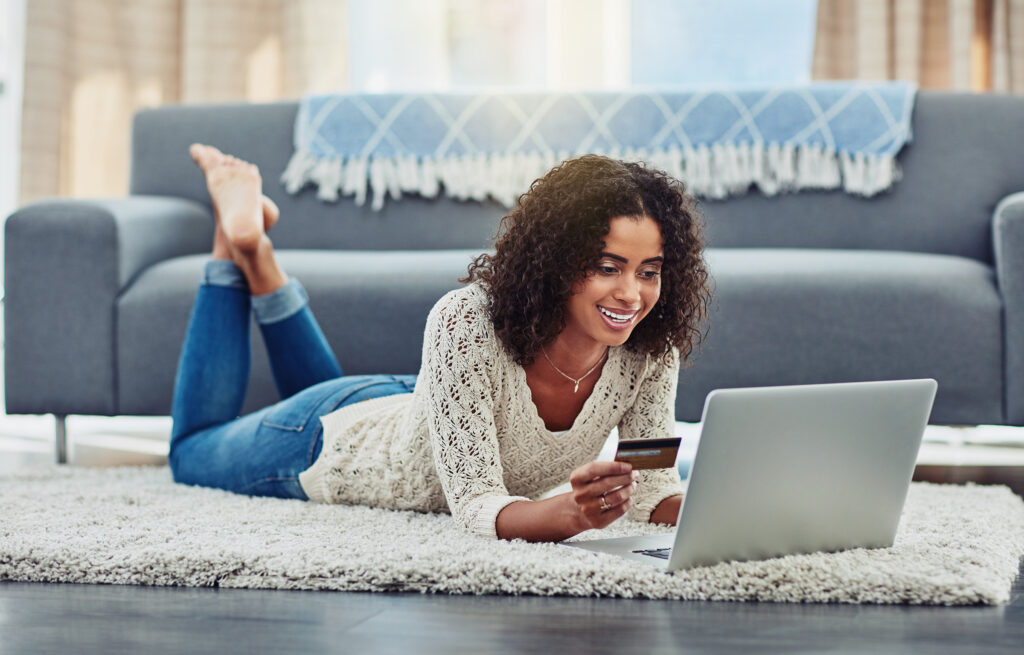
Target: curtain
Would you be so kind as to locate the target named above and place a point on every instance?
(964, 45)
(1008, 46)
(91, 64)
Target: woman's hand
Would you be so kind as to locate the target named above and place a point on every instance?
(602, 492)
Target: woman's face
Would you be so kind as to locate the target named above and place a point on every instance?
(623, 287)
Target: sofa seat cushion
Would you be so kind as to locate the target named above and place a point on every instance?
(372, 306)
(778, 317)
(796, 316)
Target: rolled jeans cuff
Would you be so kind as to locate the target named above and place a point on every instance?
(279, 305)
(224, 273)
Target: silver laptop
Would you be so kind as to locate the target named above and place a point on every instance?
(793, 469)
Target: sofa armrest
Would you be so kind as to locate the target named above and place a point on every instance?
(65, 262)
(1008, 245)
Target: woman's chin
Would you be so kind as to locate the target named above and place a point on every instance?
(613, 338)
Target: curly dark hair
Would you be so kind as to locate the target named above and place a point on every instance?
(554, 237)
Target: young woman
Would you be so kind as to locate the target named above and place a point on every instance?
(575, 325)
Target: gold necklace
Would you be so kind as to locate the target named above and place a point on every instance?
(571, 379)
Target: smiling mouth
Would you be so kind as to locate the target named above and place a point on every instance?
(618, 316)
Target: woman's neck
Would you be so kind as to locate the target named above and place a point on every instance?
(575, 357)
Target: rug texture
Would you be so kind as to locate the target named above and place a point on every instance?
(134, 525)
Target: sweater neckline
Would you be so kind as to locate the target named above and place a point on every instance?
(588, 406)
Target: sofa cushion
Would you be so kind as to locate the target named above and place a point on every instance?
(790, 316)
(371, 305)
(778, 317)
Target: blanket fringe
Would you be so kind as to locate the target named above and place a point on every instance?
(716, 172)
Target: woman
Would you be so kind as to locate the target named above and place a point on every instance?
(575, 325)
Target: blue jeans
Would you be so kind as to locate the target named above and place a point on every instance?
(262, 453)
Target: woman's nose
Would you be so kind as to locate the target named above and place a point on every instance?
(628, 289)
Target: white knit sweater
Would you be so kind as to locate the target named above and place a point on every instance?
(469, 440)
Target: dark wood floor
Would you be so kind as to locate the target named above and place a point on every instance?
(68, 618)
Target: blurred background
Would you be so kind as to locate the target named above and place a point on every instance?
(74, 71)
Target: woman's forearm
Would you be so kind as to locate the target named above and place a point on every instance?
(551, 519)
(601, 493)
(557, 518)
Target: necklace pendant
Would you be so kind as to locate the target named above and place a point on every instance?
(576, 388)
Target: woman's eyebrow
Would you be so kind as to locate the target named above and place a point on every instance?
(622, 259)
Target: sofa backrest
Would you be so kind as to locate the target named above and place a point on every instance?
(965, 156)
(262, 134)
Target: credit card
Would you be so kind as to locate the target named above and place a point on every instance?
(648, 453)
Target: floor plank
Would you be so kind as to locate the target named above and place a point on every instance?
(49, 618)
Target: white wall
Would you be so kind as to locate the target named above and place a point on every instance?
(12, 57)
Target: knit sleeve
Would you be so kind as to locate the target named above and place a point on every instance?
(651, 416)
(459, 356)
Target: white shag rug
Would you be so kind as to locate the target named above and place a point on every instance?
(134, 525)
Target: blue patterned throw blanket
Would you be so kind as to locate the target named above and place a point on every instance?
(720, 142)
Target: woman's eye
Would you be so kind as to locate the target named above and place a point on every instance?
(650, 275)
(608, 270)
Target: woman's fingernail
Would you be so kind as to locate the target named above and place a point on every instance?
(636, 475)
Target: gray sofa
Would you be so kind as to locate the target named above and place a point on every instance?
(925, 280)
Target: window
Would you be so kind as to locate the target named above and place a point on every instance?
(741, 42)
(441, 45)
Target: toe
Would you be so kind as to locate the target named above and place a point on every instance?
(204, 155)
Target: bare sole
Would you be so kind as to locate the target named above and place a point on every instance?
(235, 188)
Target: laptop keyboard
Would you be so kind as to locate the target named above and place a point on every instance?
(661, 553)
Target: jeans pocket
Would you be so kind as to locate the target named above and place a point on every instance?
(290, 414)
(296, 412)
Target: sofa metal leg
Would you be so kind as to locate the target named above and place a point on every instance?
(62, 437)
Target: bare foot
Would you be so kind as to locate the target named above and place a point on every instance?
(243, 215)
(270, 213)
(221, 247)
(235, 188)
